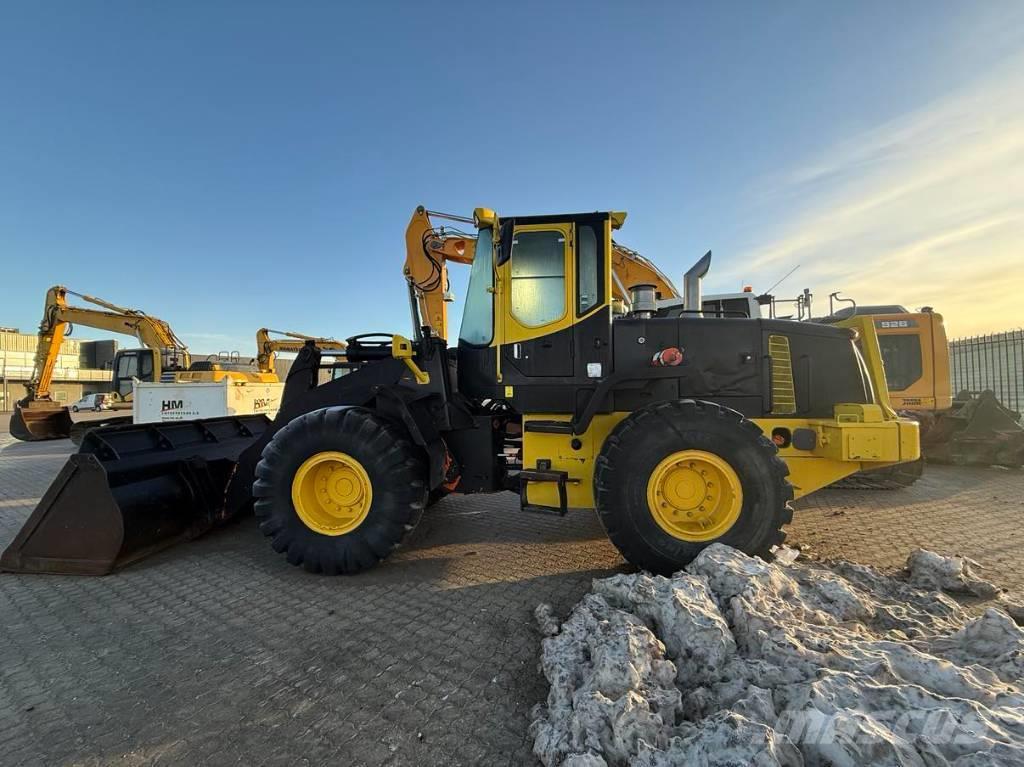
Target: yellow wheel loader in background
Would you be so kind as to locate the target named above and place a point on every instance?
(679, 431)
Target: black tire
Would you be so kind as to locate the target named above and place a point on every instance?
(97, 409)
(74, 408)
(397, 472)
(643, 439)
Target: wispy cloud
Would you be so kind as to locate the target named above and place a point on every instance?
(927, 209)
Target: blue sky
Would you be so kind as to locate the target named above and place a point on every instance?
(227, 165)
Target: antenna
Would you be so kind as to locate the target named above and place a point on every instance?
(784, 278)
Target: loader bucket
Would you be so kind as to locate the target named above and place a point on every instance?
(38, 420)
(130, 491)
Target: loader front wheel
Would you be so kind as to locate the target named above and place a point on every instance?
(337, 489)
(676, 477)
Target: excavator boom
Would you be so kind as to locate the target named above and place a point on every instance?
(428, 249)
(268, 347)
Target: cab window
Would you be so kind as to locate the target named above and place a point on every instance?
(478, 314)
(901, 356)
(588, 270)
(127, 366)
(538, 277)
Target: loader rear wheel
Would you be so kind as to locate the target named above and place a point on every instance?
(676, 477)
(337, 489)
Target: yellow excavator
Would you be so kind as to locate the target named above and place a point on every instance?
(268, 347)
(38, 416)
(971, 428)
(165, 358)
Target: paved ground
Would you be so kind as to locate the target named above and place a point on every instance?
(218, 652)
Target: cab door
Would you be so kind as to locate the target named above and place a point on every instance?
(537, 341)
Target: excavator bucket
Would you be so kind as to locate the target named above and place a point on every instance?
(38, 420)
(130, 491)
(978, 431)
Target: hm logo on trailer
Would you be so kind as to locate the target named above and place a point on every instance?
(171, 404)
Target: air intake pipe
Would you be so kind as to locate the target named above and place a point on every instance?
(691, 284)
(643, 300)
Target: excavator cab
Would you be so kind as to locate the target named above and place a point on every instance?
(971, 428)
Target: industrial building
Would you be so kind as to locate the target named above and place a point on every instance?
(83, 367)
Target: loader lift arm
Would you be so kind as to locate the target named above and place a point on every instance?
(37, 416)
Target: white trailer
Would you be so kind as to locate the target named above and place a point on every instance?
(160, 402)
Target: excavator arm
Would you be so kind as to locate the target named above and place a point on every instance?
(267, 347)
(37, 417)
(428, 249)
(629, 268)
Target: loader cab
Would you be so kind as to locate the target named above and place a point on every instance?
(537, 318)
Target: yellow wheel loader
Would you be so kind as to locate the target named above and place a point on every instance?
(679, 431)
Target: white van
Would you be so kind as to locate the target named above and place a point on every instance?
(95, 402)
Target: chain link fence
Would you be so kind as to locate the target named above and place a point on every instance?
(994, 361)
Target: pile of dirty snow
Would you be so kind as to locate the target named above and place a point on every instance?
(738, 661)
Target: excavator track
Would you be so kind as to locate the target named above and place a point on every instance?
(888, 478)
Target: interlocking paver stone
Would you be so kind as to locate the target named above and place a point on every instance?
(217, 651)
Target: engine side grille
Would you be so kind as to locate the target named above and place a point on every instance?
(783, 391)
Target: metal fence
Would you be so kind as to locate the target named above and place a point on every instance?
(993, 362)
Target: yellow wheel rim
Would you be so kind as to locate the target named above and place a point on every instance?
(694, 495)
(332, 493)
